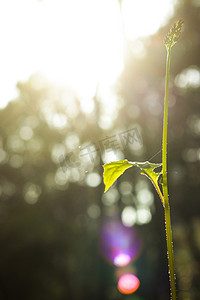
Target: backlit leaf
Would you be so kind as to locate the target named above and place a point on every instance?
(147, 169)
(113, 170)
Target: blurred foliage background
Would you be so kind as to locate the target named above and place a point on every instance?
(52, 206)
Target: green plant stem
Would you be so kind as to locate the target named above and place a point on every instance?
(165, 185)
(159, 193)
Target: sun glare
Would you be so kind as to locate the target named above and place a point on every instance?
(73, 43)
(144, 17)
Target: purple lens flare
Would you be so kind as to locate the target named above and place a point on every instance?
(118, 243)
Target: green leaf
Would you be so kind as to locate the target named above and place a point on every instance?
(113, 170)
(147, 169)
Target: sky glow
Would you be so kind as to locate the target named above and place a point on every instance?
(73, 43)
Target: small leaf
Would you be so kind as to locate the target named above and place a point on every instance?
(147, 169)
(113, 170)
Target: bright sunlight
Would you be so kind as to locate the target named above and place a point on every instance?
(73, 43)
(142, 18)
